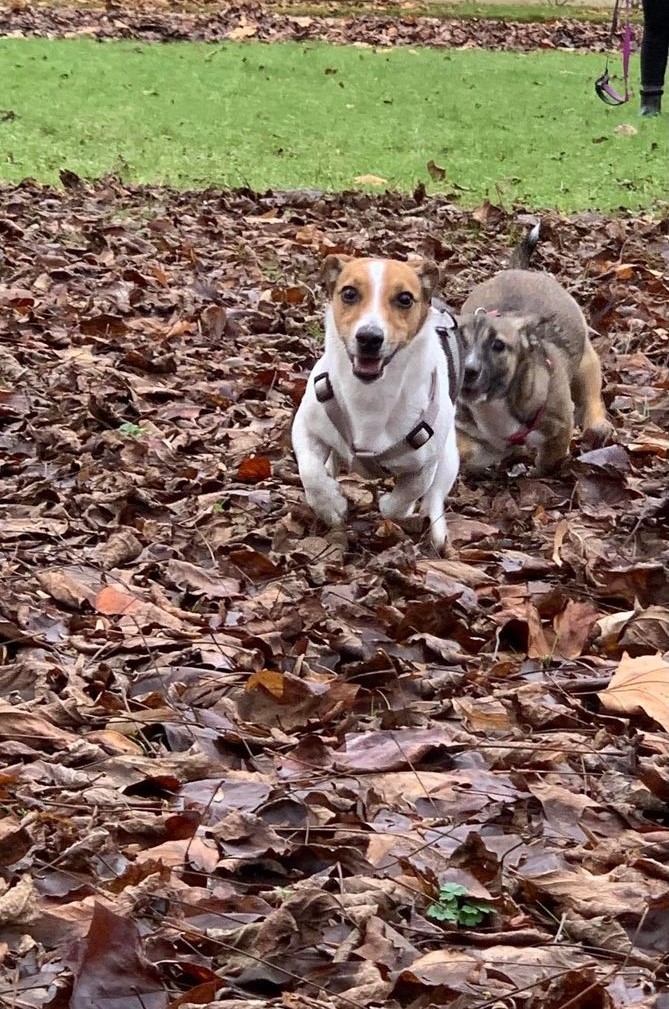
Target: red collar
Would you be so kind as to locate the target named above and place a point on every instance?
(520, 437)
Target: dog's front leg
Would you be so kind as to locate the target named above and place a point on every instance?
(400, 502)
(314, 459)
(433, 504)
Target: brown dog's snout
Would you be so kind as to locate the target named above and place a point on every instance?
(471, 373)
(369, 340)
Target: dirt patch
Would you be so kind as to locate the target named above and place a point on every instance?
(247, 757)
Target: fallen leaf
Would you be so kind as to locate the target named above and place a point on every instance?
(111, 972)
(435, 171)
(254, 469)
(625, 130)
(370, 180)
(18, 903)
(639, 684)
(647, 631)
(573, 627)
(246, 31)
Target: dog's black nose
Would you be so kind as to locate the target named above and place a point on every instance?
(470, 375)
(369, 340)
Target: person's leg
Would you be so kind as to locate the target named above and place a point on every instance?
(654, 51)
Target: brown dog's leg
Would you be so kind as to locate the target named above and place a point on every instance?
(587, 391)
(474, 454)
(557, 439)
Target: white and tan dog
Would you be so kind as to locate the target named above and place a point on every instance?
(380, 401)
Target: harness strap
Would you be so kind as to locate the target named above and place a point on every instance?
(453, 347)
(376, 462)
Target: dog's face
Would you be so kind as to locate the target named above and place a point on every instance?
(495, 346)
(378, 307)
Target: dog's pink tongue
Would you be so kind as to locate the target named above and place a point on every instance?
(368, 365)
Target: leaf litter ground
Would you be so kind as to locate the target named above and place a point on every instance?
(215, 22)
(241, 755)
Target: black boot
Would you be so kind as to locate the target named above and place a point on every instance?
(651, 101)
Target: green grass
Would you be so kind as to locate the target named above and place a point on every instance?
(527, 12)
(515, 127)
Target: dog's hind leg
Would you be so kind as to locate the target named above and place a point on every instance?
(434, 501)
(587, 393)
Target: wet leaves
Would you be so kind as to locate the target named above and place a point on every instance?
(241, 754)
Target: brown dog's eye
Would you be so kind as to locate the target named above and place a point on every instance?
(405, 299)
(498, 346)
(348, 295)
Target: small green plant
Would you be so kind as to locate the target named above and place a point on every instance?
(132, 430)
(455, 906)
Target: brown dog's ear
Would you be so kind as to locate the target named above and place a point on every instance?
(428, 274)
(535, 329)
(331, 267)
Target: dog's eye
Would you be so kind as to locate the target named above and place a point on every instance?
(348, 295)
(498, 345)
(405, 299)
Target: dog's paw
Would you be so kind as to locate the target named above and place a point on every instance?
(391, 508)
(330, 506)
(598, 434)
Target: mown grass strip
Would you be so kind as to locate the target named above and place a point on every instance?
(512, 127)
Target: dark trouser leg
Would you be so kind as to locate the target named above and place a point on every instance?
(654, 51)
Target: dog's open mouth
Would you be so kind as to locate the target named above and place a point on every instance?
(368, 368)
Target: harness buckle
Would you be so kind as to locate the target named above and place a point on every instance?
(323, 387)
(420, 435)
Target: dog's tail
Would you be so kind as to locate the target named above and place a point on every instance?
(522, 254)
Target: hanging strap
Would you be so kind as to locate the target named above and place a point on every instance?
(603, 86)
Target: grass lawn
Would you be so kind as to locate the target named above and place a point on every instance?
(498, 10)
(516, 127)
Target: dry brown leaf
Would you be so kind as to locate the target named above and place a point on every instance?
(573, 628)
(435, 171)
(370, 180)
(19, 904)
(450, 968)
(639, 684)
(271, 679)
(112, 601)
(246, 31)
(651, 445)
(254, 469)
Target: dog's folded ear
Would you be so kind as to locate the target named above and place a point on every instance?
(428, 274)
(535, 329)
(331, 267)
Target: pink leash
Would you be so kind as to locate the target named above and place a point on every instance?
(603, 87)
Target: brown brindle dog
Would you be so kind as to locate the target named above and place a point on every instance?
(528, 363)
